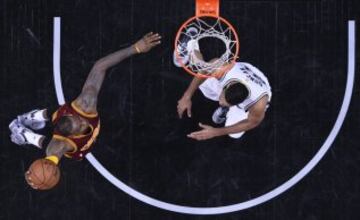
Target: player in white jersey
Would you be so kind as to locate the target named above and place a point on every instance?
(243, 94)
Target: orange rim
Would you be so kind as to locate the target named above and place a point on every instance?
(222, 71)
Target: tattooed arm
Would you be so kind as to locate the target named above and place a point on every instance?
(58, 148)
(87, 100)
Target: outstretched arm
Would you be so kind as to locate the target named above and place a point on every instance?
(87, 100)
(185, 102)
(255, 117)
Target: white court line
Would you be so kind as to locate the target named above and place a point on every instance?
(252, 202)
(56, 61)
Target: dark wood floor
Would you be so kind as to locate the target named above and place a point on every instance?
(300, 45)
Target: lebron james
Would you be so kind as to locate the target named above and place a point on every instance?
(76, 124)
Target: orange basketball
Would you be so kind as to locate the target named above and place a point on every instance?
(43, 174)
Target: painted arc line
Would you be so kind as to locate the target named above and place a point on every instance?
(252, 202)
(56, 61)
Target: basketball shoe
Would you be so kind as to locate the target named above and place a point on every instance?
(219, 115)
(21, 135)
(185, 47)
(34, 119)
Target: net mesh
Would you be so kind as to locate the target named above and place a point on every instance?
(213, 28)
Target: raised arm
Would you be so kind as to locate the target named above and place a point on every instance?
(87, 100)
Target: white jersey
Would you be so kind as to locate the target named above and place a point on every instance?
(250, 76)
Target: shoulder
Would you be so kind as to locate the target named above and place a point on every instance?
(257, 111)
(87, 100)
(83, 108)
(260, 105)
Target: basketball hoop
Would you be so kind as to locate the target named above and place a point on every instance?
(208, 23)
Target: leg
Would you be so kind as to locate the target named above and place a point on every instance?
(185, 47)
(233, 116)
(21, 135)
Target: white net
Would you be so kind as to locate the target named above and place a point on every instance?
(207, 28)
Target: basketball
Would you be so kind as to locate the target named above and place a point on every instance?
(43, 174)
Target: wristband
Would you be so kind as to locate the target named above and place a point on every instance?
(53, 158)
(137, 49)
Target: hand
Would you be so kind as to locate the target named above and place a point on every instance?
(207, 132)
(146, 43)
(184, 104)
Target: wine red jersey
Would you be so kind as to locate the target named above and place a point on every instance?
(83, 143)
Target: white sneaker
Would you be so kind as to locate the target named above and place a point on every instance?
(21, 135)
(219, 115)
(185, 47)
(29, 120)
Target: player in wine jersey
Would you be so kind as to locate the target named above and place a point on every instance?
(243, 93)
(76, 124)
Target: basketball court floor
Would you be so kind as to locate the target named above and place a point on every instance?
(302, 162)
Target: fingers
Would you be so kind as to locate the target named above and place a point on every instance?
(202, 134)
(153, 39)
(149, 41)
(180, 111)
(148, 34)
(153, 44)
(198, 133)
(204, 126)
(189, 112)
(29, 180)
(197, 136)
